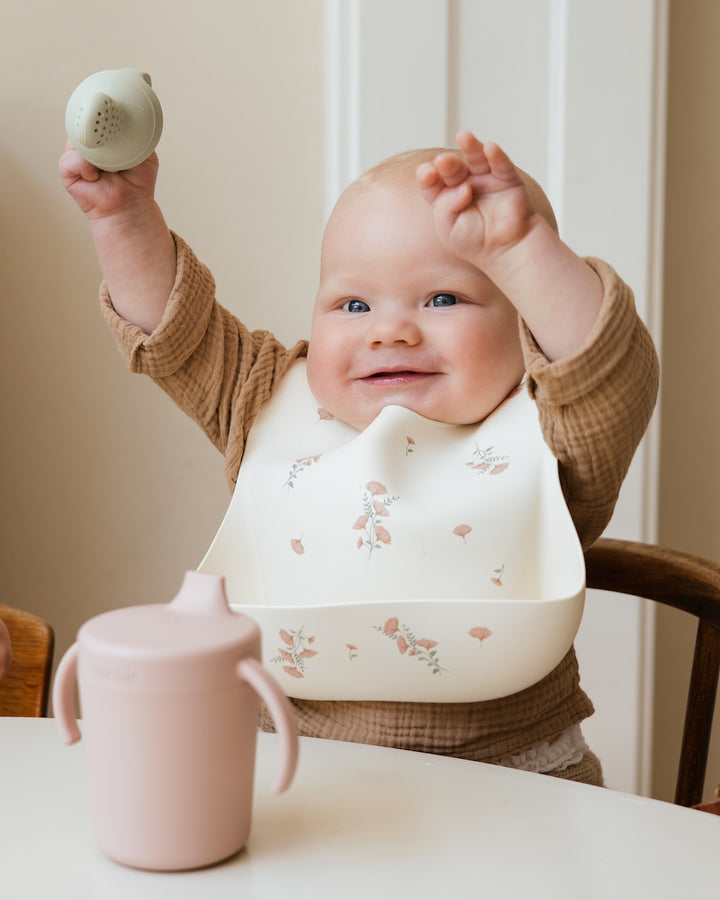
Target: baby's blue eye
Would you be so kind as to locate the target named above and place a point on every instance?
(440, 300)
(356, 306)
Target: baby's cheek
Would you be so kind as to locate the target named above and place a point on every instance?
(321, 376)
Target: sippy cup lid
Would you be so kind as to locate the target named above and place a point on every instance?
(114, 119)
(190, 645)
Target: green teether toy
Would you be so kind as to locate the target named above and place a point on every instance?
(114, 119)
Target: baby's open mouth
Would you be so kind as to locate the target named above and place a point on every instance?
(399, 375)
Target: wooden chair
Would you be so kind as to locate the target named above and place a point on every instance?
(25, 687)
(691, 584)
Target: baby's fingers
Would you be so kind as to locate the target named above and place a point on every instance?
(446, 200)
(473, 152)
(428, 181)
(487, 158)
(451, 168)
(73, 167)
(446, 171)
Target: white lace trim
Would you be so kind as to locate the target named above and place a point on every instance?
(566, 750)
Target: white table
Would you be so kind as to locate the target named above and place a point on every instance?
(364, 822)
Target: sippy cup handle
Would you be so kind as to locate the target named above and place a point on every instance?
(63, 697)
(251, 670)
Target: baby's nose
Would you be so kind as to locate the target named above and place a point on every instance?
(393, 328)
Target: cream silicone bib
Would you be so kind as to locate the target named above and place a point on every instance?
(411, 561)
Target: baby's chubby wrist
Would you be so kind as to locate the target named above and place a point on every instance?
(136, 223)
(138, 213)
(554, 291)
(505, 263)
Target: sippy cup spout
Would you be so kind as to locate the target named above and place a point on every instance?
(203, 594)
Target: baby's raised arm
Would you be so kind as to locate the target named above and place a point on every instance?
(484, 214)
(134, 245)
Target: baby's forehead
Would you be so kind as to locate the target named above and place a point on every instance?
(399, 170)
(395, 175)
(367, 202)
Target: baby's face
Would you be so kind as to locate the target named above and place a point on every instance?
(400, 320)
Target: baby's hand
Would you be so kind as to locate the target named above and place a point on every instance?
(104, 194)
(480, 204)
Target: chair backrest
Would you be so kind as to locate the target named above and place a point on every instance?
(691, 584)
(25, 687)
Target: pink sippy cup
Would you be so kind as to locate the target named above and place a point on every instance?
(168, 694)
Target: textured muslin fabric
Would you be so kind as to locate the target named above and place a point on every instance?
(485, 731)
(215, 369)
(593, 408)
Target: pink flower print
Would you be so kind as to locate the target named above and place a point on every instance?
(374, 509)
(297, 546)
(300, 465)
(487, 462)
(423, 649)
(410, 445)
(295, 652)
(497, 576)
(324, 415)
(461, 531)
(391, 626)
(352, 651)
(480, 633)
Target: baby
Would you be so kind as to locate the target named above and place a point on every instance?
(451, 356)
(443, 285)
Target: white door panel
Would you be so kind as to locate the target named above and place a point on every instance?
(574, 90)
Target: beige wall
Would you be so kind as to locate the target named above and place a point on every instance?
(108, 493)
(690, 413)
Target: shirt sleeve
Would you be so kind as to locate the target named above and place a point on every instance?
(594, 407)
(215, 369)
